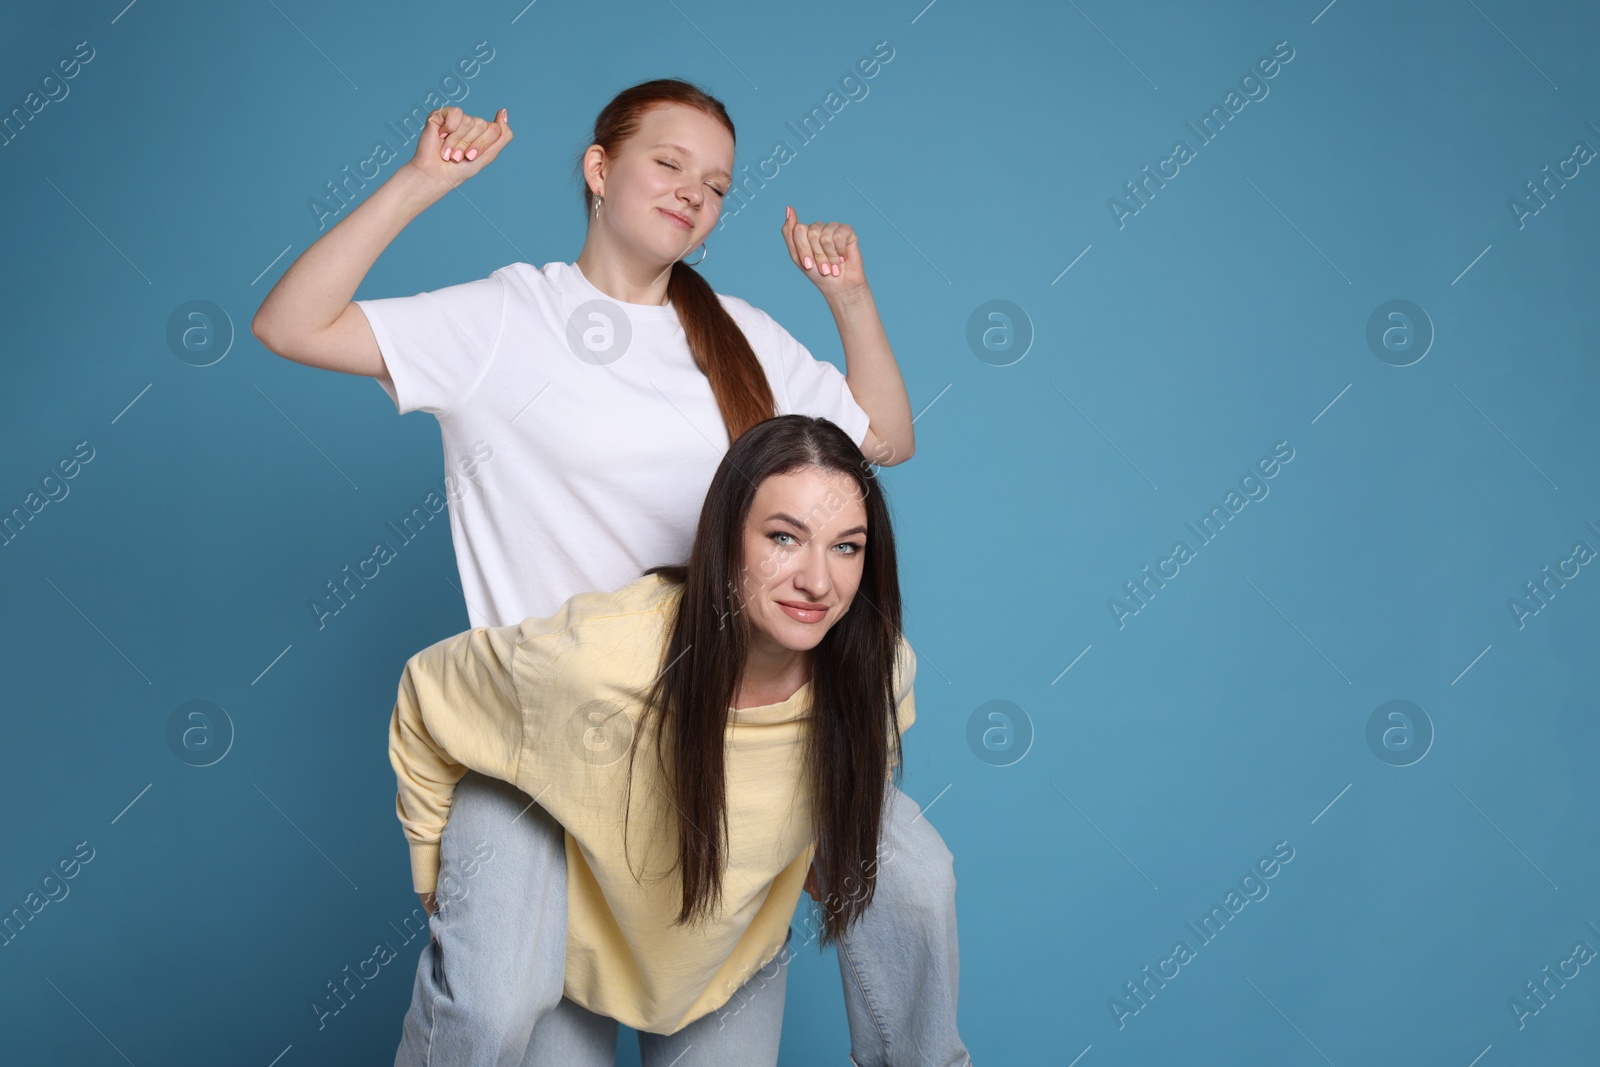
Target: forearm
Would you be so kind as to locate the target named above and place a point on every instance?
(427, 778)
(871, 370)
(320, 284)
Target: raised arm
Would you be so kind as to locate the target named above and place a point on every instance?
(830, 256)
(457, 710)
(308, 316)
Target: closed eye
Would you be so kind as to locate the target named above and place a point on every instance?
(720, 193)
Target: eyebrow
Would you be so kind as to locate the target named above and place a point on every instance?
(685, 151)
(791, 520)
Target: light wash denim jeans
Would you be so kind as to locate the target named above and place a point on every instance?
(488, 991)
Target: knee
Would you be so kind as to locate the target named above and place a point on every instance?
(917, 872)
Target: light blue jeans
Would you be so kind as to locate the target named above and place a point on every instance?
(489, 983)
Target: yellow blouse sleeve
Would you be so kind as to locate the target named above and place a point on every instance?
(457, 710)
(905, 670)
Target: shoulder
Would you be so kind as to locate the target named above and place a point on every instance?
(905, 668)
(525, 279)
(751, 319)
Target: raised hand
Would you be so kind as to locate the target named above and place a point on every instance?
(827, 252)
(455, 146)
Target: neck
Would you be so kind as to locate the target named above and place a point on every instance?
(622, 277)
(769, 667)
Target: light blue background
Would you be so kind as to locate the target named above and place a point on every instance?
(1229, 314)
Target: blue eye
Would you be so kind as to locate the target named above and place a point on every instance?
(855, 548)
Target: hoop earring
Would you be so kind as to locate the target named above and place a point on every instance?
(703, 255)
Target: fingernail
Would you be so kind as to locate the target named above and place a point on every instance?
(471, 152)
(807, 261)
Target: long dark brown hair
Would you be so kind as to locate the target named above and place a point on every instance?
(852, 727)
(720, 348)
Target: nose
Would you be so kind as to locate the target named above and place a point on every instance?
(812, 576)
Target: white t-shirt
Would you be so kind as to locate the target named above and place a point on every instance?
(579, 435)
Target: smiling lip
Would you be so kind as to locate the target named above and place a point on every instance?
(802, 611)
(675, 217)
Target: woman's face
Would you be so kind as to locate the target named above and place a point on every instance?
(679, 162)
(804, 549)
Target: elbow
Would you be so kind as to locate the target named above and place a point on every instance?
(897, 452)
(261, 328)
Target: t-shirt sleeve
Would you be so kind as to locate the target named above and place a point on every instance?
(437, 345)
(457, 710)
(812, 386)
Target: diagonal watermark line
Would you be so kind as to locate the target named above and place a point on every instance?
(1324, 11)
(930, 403)
(1332, 402)
(1069, 266)
(1480, 1055)
(465, 599)
(1502, 833)
(523, 12)
(1513, 44)
(313, 44)
(532, 802)
(1102, 433)
(90, 1021)
(1468, 667)
(302, 433)
(285, 1052)
(274, 263)
(920, 657)
(1102, 833)
(1069, 666)
(101, 632)
(1301, 232)
(302, 833)
(932, 802)
(1474, 263)
(131, 803)
(1113, 44)
(1502, 433)
(101, 232)
(1302, 633)
(132, 402)
(1080, 1055)
(1290, 1021)
(686, 418)
(899, 231)
(492, 226)
(924, 11)
(124, 11)
(529, 404)
(1331, 803)
(713, 44)
(269, 666)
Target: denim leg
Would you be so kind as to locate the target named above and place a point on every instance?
(900, 963)
(744, 1032)
(573, 1036)
(496, 961)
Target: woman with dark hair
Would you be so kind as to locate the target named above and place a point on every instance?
(583, 408)
(769, 713)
